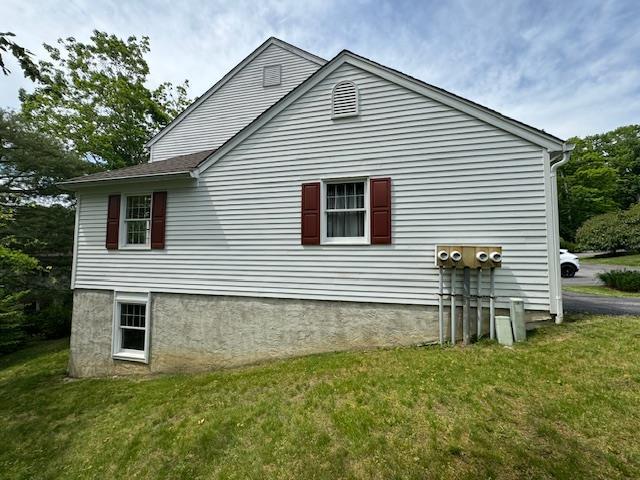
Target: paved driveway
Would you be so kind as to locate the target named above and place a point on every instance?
(581, 303)
(588, 274)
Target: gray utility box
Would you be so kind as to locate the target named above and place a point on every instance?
(517, 320)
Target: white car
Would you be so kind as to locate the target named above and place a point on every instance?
(569, 263)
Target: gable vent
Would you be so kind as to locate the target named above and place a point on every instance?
(345, 99)
(271, 75)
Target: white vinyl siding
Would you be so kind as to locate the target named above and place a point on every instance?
(235, 104)
(456, 180)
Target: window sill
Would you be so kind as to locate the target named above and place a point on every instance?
(345, 241)
(135, 247)
(131, 356)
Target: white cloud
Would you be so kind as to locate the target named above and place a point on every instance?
(571, 68)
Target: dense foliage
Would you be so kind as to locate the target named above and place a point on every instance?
(602, 176)
(32, 162)
(15, 270)
(35, 232)
(611, 231)
(91, 109)
(95, 97)
(625, 280)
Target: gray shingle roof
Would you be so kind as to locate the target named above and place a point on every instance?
(175, 165)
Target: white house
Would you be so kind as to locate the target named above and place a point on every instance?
(295, 207)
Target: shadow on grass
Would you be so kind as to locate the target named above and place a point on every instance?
(33, 352)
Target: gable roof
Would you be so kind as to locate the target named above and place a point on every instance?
(195, 163)
(492, 117)
(270, 41)
(181, 165)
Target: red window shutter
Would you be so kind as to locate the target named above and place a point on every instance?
(113, 222)
(310, 219)
(380, 193)
(158, 219)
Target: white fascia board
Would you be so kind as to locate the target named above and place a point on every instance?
(527, 133)
(220, 83)
(76, 185)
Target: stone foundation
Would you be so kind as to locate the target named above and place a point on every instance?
(201, 332)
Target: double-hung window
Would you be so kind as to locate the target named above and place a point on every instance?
(131, 327)
(137, 220)
(345, 218)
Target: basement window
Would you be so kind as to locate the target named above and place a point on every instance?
(131, 327)
(345, 219)
(271, 75)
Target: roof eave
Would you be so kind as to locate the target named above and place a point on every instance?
(74, 185)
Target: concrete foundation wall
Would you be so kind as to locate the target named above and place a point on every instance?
(199, 332)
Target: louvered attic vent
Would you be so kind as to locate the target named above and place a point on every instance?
(345, 100)
(271, 75)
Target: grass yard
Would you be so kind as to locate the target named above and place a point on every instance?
(564, 405)
(599, 290)
(624, 260)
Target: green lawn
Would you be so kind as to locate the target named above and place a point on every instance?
(600, 290)
(564, 405)
(625, 260)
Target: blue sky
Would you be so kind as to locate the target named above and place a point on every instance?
(569, 67)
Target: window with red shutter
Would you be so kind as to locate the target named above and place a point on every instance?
(310, 215)
(158, 219)
(113, 222)
(380, 199)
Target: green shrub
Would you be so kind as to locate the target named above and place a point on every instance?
(601, 233)
(625, 280)
(611, 231)
(572, 247)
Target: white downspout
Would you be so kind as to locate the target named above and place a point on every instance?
(555, 240)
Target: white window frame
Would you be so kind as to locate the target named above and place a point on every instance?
(117, 352)
(123, 222)
(324, 239)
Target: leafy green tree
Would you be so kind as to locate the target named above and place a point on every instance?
(95, 96)
(15, 270)
(36, 231)
(31, 162)
(21, 54)
(602, 176)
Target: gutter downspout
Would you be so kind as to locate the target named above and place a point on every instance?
(567, 148)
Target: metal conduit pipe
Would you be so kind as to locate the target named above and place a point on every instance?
(479, 306)
(441, 306)
(482, 257)
(492, 303)
(453, 305)
(466, 306)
